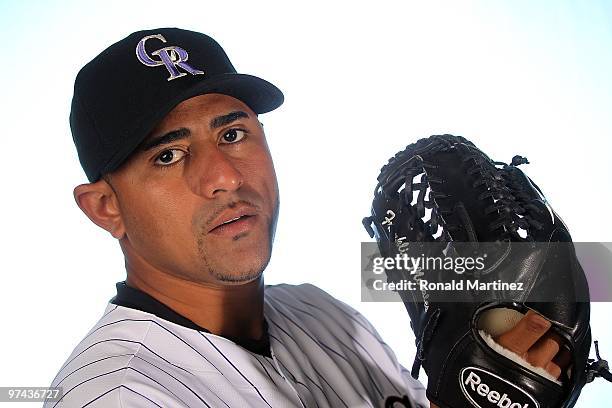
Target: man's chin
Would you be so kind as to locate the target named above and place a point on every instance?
(237, 273)
(237, 262)
(237, 278)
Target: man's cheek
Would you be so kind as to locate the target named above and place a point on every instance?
(152, 224)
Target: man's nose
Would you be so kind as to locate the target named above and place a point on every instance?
(213, 174)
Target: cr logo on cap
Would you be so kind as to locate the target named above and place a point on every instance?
(172, 58)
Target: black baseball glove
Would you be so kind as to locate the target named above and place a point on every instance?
(442, 198)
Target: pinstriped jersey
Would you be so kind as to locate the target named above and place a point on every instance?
(323, 353)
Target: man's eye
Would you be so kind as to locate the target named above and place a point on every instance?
(169, 156)
(233, 136)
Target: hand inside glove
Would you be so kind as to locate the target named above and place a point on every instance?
(530, 340)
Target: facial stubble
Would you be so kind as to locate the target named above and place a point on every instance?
(248, 275)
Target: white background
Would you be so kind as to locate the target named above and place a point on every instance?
(361, 80)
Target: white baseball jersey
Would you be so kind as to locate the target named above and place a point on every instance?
(319, 352)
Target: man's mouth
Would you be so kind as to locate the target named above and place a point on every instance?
(235, 226)
(234, 221)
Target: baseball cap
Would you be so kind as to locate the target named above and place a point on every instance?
(125, 91)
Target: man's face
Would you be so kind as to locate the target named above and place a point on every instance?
(199, 199)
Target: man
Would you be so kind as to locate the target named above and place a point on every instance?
(180, 174)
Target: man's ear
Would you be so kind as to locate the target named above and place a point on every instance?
(99, 202)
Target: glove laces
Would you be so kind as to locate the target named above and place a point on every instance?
(598, 368)
(510, 202)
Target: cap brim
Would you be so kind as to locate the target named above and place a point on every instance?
(260, 95)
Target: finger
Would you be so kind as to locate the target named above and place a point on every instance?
(563, 358)
(524, 335)
(543, 351)
(553, 369)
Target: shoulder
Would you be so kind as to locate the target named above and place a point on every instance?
(120, 382)
(308, 312)
(304, 293)
(311, 299)
(323, 326)
(108, 363)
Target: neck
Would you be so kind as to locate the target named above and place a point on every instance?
(225, 310)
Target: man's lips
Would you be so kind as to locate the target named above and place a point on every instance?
(233, 228)
(233, 221)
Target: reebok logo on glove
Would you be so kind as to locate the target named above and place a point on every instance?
(486, 390)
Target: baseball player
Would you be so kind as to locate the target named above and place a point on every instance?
(179, 172)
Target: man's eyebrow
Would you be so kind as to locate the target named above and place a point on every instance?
(227, 119)
(184, 133)
(166, 138)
